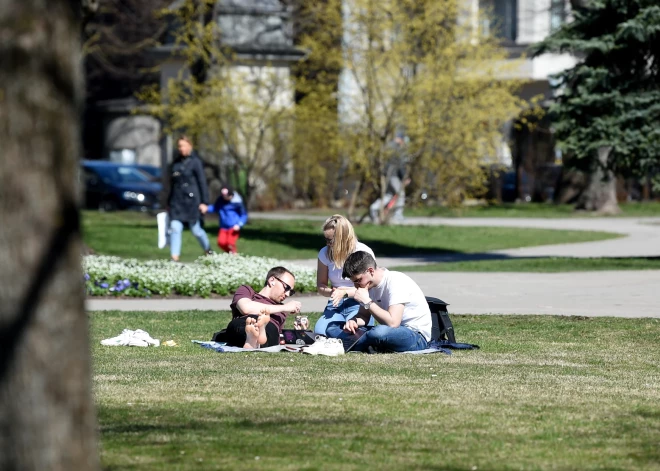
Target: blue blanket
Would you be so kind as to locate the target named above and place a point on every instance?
(224, 348)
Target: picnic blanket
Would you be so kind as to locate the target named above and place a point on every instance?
(224, 348)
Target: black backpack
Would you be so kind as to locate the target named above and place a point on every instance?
(441, 329)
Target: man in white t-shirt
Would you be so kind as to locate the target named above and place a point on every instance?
(395, 300)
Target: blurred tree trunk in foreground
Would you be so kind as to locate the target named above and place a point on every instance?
(47, 419)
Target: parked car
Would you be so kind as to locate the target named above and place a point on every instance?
(152, 170)
(510, 187)
(111, 186)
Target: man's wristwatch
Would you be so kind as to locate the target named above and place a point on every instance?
(367, 305)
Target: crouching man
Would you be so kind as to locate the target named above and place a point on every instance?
(394, 300)
(258, 318)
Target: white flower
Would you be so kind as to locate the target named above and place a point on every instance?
(220, 273)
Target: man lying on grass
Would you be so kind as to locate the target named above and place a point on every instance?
(395, 301)
(258, 318)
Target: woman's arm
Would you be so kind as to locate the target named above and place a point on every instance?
(322, 280)
(342, 292)
(198, 171)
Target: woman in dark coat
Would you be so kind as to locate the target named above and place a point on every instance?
(188, 197)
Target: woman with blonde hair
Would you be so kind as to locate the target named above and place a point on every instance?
(340, 242)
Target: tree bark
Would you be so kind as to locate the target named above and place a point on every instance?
(47, 419)
(600, 194)
(579, 4)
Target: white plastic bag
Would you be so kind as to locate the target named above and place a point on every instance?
(163, 220)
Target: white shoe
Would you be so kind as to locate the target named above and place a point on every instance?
(144, 336)
(119, 341)
(325, 346)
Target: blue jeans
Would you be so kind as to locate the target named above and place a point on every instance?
(347, 309)
(383, 338)
(176, 228)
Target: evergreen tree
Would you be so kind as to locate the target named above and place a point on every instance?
(607, 113)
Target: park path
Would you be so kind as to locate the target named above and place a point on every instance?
(606, 293)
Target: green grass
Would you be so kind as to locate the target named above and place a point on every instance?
(509, 210)
(540, 265)
(134, 235)
(543, 393)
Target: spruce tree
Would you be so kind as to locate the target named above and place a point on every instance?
(607, 112)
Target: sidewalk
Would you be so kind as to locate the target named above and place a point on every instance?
(612, 293)
(593, 294)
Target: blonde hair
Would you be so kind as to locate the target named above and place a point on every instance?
(344, 241)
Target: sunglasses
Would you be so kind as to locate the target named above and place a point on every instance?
(286, 287)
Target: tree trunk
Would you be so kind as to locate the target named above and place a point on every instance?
(47, 419)
(579, 4)
(600, 194)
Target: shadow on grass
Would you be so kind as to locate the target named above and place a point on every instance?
(232, 432)
(305, 240)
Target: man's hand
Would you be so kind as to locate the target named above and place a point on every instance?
(362, 295)
(203, 208)
(236, 227)
(292, 306)
(351, 326)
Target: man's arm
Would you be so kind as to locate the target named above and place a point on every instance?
(390, 317)
(248, 307)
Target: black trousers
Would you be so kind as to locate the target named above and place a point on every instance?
(236, 333)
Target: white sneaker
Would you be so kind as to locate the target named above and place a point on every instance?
(325, 346)
(144, 336)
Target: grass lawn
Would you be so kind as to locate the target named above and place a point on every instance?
(130, 234)
(543, 392)
(540, 265)
(514, 210)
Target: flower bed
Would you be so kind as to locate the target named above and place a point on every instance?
(217, 274)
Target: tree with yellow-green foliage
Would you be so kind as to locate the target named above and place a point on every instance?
(420, 68)
(238, 110)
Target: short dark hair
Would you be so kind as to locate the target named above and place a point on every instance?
(227, 190)
(277, 272)
(184, 137)
(357, 263)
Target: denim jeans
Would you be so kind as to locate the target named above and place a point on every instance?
(347, 309)
(176, 228)
(383, 338)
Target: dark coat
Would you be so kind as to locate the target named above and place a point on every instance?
(187, 189)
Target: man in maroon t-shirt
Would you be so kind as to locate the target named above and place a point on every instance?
(258, 318)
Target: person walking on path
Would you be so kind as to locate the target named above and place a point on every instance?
(340, 242)
(395, 192)
(394, 299)
(188, 197)
(232, 217)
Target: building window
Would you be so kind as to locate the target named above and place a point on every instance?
(505, 19)
(557, 14)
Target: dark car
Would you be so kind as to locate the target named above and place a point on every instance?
(510, 192)
(110, 186)
(155, 172)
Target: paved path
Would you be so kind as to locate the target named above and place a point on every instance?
(615, 293)
(612, 293)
